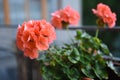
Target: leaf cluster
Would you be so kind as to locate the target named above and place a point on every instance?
(82, 58)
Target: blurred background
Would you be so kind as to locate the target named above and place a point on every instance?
(14, 12)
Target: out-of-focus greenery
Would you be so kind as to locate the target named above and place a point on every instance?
(89, 18)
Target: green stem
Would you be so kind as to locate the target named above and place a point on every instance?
(97, 31)
(68, 31)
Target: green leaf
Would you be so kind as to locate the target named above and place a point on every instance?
(100, 60)
(79, 33)
(105, 49)
(74, 57)
(72, 73)
(87, 72)
(100, 70)
(97, 40)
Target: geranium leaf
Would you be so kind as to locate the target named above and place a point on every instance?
(74, 56)
(105, 49)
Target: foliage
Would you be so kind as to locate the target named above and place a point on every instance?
(82, 58)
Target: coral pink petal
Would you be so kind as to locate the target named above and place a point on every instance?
(42, 43)
(31, 53)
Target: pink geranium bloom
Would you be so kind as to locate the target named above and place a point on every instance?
(104, 12)
(70, 15)
(35, 35)
(65, 16)
(56, 22)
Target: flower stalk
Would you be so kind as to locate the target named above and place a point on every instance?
(97, 32)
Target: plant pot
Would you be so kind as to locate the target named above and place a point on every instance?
(87, 78)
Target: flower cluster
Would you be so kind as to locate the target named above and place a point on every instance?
(103, 12)
(81, 59)
(35, 35)
(64, 17)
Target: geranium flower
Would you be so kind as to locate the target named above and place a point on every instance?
(64, 17)
(105, 14)
(35, 35)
